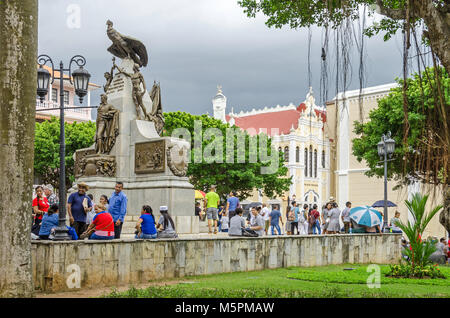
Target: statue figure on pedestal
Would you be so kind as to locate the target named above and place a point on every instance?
(156, 115)
(138, 92)
(107, 126)
(109, 76)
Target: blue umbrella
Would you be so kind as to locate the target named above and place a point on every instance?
(365, 215)
(380, 204)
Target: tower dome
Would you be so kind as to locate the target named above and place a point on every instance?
(219, 104)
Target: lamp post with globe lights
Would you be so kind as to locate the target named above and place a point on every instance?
(80, 80)
(386, 149)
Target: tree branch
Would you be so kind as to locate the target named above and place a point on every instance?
(396, 14)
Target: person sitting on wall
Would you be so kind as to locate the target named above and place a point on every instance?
(356, 228)
(146, 224)
(49, 221)
(102, 226)
(166, 226)
(237, 223)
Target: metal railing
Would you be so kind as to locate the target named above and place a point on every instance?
(52, 105)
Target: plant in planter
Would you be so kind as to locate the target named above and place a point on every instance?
(420, 251)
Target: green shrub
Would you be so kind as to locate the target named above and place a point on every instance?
(409, 271)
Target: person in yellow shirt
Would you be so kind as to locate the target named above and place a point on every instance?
(212, 201)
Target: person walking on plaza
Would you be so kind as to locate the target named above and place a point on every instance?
(51, 197)
(118, 208)
(326, 217)
(334, 226)
(232, 204)
(289, 212)
(294, 223)
(78, 205)
(314, 220)
(257, 222)
(345, 216)
(212, 201)
(265, 213)
(274, 218)
(303, 220)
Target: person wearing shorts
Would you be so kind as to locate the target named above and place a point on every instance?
(212, 201)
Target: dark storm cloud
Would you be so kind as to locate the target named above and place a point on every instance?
(195, 45)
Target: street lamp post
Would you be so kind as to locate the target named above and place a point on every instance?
(386, 149)
(80, 81)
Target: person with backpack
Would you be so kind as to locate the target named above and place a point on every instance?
(314, 220)
(303, 220)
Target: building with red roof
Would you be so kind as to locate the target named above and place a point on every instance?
(298, 131)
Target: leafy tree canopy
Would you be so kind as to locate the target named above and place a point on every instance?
(46, 148)
(240, 177)
(434, 14)
(426, 163)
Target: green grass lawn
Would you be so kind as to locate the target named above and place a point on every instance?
(326, 281)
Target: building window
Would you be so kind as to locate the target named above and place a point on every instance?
(66, 97)
(315, 163)
(323, 158)
(54, 95)
(310, 162)
(297, 154)
(306, 162)
(286, 154)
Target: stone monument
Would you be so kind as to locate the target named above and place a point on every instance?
(129, 146)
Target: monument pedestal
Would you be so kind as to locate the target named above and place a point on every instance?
(152, 168)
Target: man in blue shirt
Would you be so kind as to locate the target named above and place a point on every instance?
(294, 224)
(232, 204)
(275, 217)
(118, 208)
(78, 205)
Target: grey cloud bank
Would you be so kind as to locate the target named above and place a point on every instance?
(195, 45)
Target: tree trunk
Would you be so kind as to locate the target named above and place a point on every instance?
(444, 217)
(18, 49)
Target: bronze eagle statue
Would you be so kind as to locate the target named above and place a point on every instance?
(125, 46)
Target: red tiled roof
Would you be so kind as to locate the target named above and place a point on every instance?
(281, 120)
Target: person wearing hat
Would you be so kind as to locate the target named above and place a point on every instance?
(165, 226)
(78, 205)
(51, 197)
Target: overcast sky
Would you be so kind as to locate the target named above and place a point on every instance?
(194, 45)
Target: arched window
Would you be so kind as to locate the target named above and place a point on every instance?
(306, 162)
(310, 162)
(297, 154)
(286, 154)
(323, 158)
(315, 163)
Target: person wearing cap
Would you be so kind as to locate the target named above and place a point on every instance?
(51, 197)
(165, 226)
(118, 208)
(212, 201)
(78, 205)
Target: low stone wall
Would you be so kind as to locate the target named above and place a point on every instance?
(59, 266)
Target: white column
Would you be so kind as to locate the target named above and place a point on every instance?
(343, 153)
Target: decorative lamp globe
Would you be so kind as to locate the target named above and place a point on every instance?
(380, 147)
(43, 80)
(81, 82)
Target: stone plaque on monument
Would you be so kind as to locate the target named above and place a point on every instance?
(150, 157)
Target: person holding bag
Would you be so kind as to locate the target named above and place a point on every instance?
(40, 207)
(102, 226)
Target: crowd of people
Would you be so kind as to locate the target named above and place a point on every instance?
(299, 219)
(95, 221)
